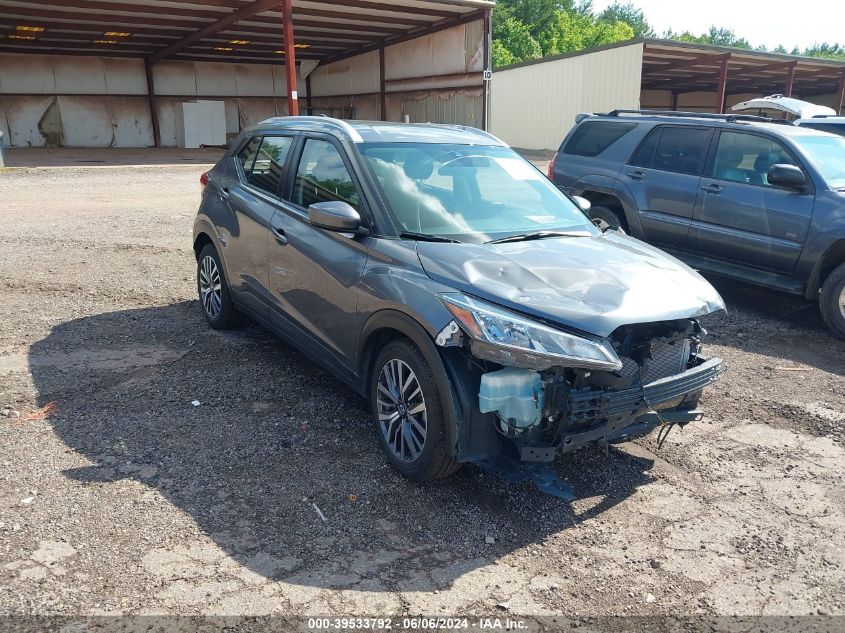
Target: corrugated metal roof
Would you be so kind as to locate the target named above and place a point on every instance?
(248, 30)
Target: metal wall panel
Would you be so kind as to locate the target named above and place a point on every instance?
(534, 106)
(356, 75)
(28, 74)
(461, 107)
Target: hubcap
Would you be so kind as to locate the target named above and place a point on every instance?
(211, 291)
(401, 408)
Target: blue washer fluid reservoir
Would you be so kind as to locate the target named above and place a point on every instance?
(515, 394)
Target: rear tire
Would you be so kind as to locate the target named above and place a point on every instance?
(408, 413)
(213, 290)
(610, 218)
(832, 301)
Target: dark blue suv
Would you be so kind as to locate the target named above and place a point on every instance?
(733, 195)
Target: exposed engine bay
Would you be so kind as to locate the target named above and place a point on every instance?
(542, 413)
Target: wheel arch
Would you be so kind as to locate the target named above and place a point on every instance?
(611, 201)
(389, 324)
(832, 257)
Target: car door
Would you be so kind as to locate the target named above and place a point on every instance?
(662, 177)
(314, 273)
(252, 195)
(741, 218)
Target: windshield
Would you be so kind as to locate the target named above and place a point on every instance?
(469, 193)
(827, 153)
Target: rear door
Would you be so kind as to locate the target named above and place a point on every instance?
(253, 198)
(740, 217)
(314, 273)
(662, 177)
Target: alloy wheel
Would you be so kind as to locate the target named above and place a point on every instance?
(211, 288)
(402, 413)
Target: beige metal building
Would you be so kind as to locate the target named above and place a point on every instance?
(99, 73)
(533, 104)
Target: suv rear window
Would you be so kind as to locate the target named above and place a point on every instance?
(593, 137)
(833, 128)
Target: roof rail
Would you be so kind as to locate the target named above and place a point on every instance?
(730, 118)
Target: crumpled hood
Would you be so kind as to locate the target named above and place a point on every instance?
(594, 284)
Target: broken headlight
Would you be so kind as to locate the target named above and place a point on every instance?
(508, 338)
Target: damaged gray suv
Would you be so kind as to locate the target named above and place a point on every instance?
(449, 282)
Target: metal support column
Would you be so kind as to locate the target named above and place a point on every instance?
(840, 102)
(488, 71)
(290, 58)
(723, 87)
(382, 95)
(148, 67)
(790, 78)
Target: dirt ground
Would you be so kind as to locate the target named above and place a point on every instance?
(124, 498)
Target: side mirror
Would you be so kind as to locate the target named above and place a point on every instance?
(334, 216)
(582, 203)
(787, 176)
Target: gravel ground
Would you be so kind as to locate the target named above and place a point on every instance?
(126, 498)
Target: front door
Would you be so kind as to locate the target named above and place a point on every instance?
(314, 273)
(740, 217)
(663, 177)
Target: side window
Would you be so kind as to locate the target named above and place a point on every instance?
(247, 155)
(270, 162)
(593, 137)
(681, 149)
(322, 176)
(644, 156)
(747, 158)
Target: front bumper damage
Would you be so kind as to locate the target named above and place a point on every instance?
(522, 419)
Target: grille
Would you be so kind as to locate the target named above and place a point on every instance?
(668, 358)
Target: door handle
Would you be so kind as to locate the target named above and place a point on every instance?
(636, 175)
(223, 193)
(717, 189)
(279, 234)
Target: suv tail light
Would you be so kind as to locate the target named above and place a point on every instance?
(204, 180)
(551, 172)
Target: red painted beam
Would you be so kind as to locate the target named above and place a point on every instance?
(841, 100)
(723, 87)
(790, 78)
(290, 58)
(259, 6)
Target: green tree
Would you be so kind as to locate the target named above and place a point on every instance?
(626, 12)
(512, 40)
(715, 36)
(573, 31)
(829, 51)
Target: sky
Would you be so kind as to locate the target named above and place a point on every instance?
(770, 23)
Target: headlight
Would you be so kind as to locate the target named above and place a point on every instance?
(508, 338)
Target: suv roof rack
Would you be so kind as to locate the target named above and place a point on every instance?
(730, 118)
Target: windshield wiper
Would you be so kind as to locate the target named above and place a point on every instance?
(425, 237)
(538, 235)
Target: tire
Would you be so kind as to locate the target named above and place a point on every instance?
(610, 218)
(214, 296)
(832, 301)
(399, 434)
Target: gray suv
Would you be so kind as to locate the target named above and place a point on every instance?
(444, 278)
(729, 194)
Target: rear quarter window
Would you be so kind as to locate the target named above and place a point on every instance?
(593, 137)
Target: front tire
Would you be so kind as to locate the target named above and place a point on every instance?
(407, 410)
(832, 301)
(213, 290)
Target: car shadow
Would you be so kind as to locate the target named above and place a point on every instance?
(276, 460)
(775, 324)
